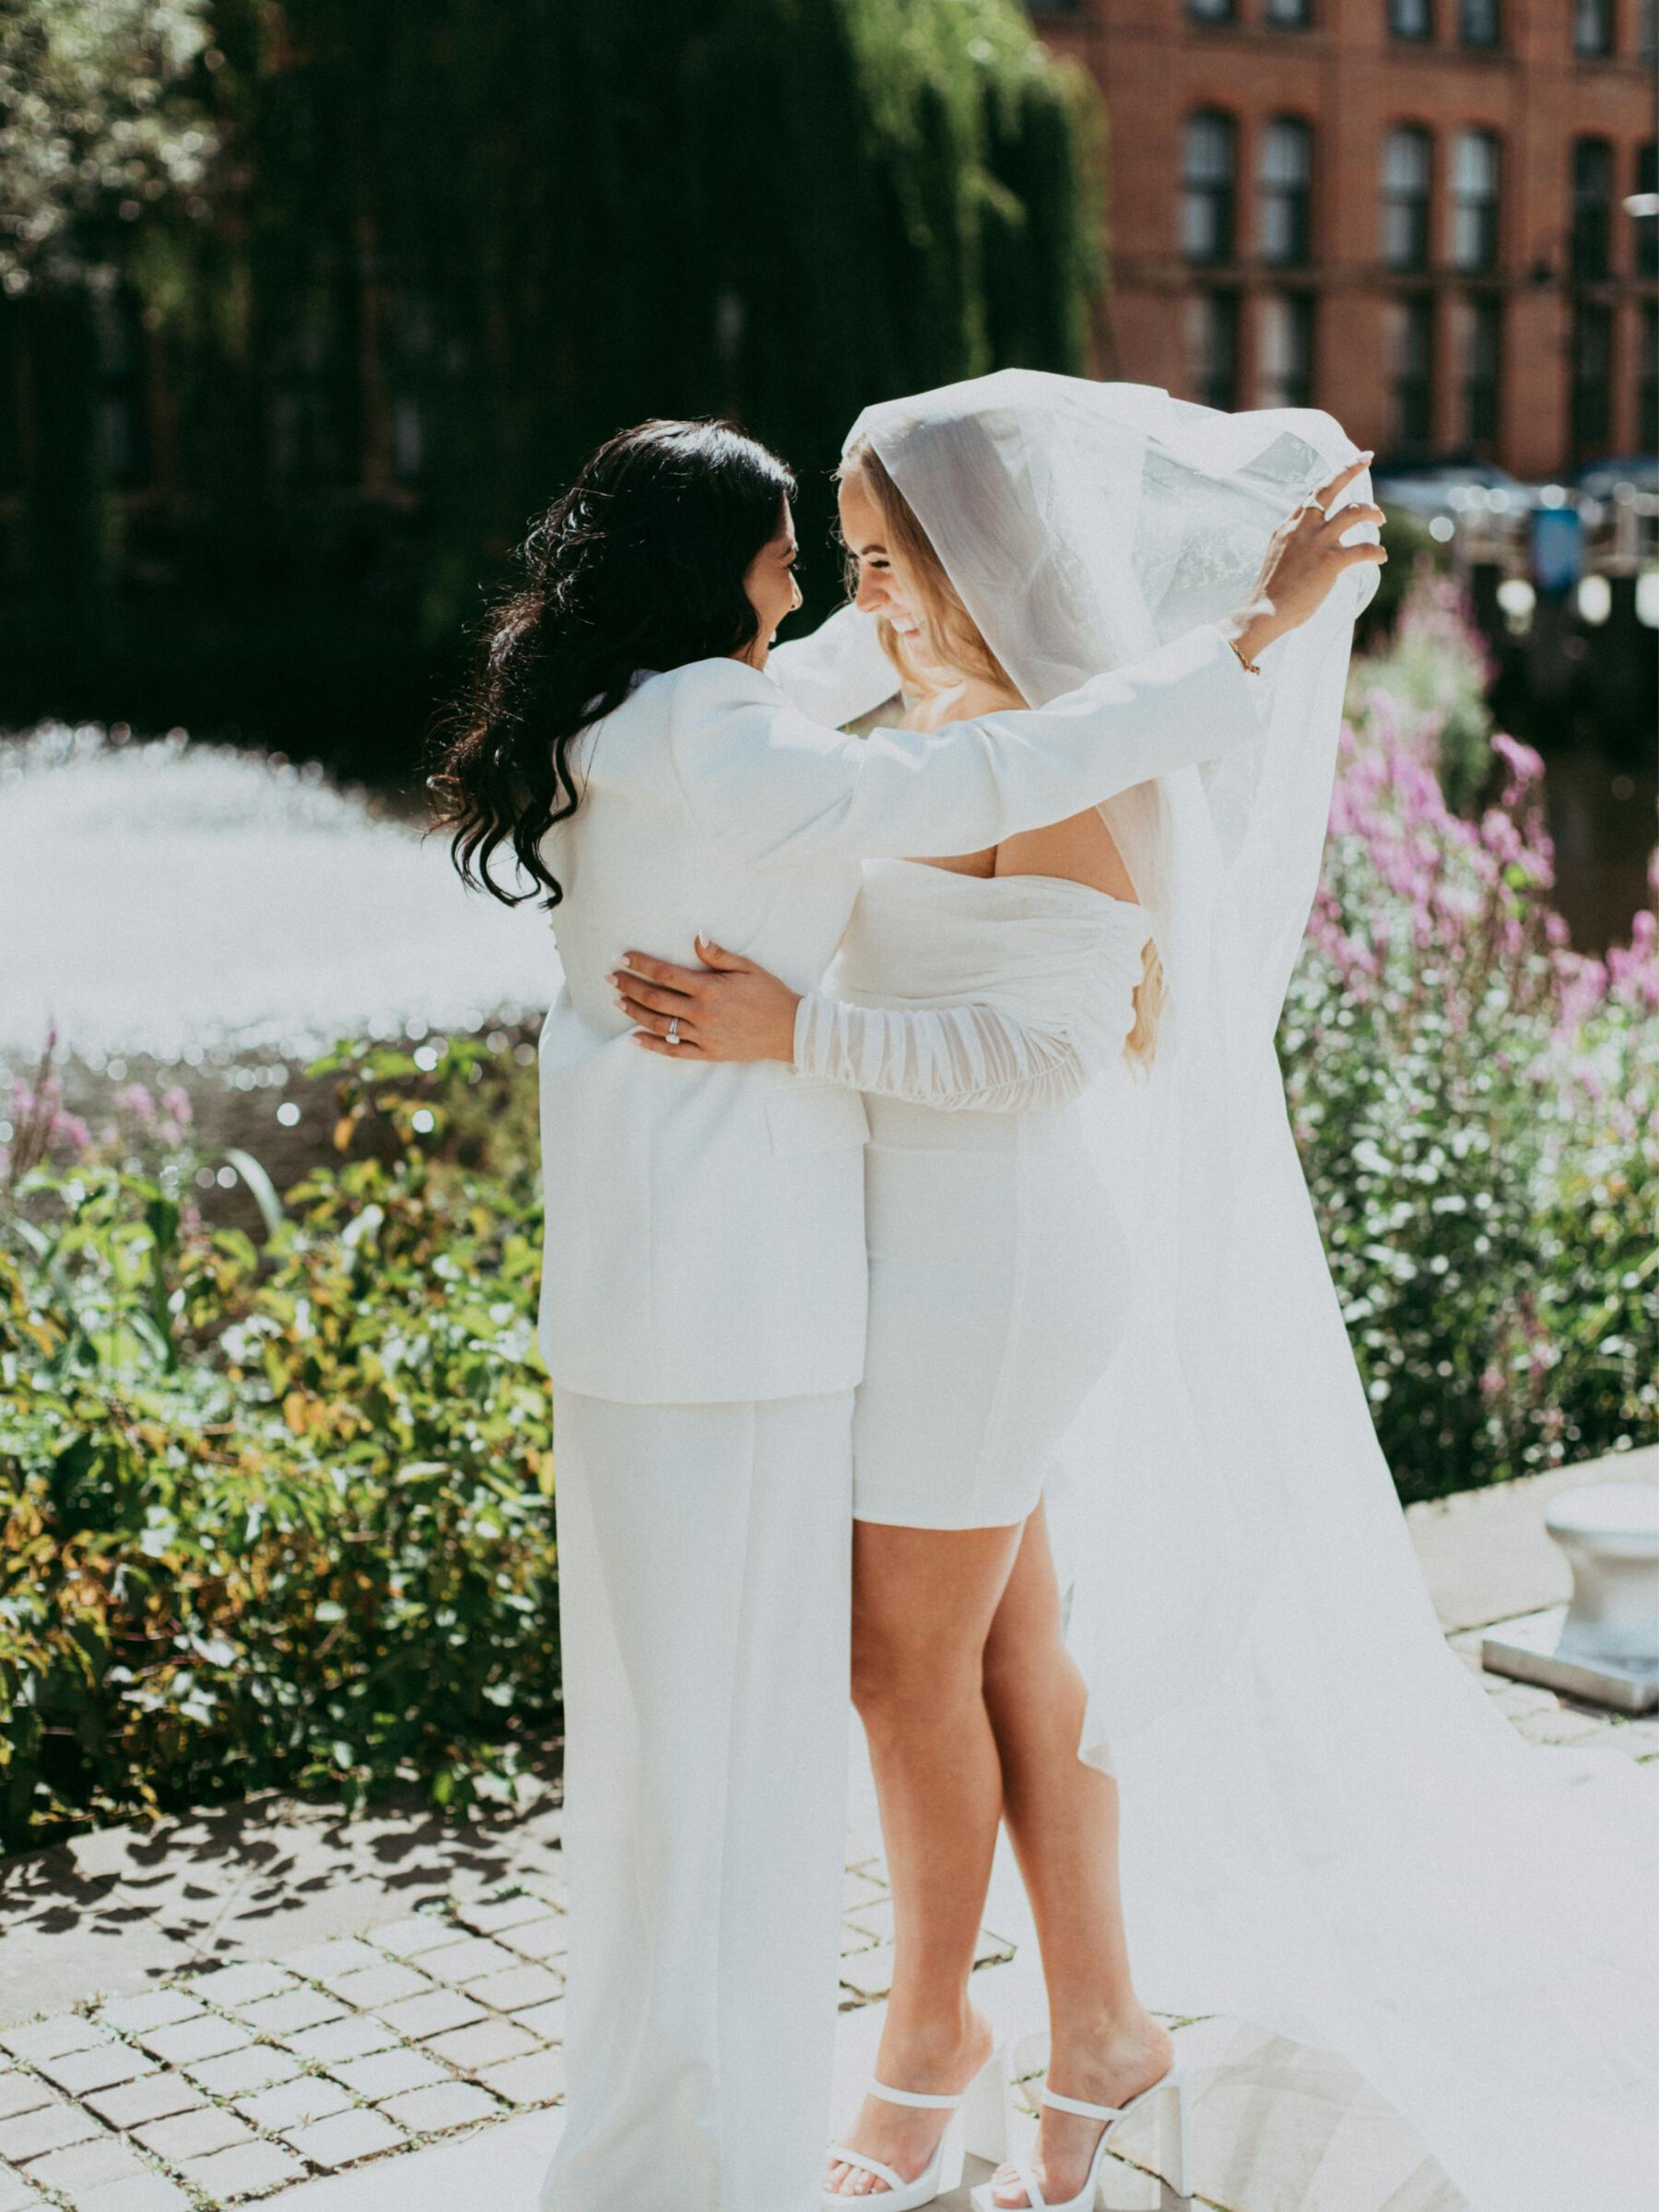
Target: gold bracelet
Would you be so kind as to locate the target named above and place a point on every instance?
(1250, 667)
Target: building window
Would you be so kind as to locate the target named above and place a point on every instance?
(1209, 160)
(1474, 200)
(1286, 170)
(1479, 23)
(1591, 208)
(1646, 227)
(1647, 31)
(1647, 381)
(1211, 11)
(1289, 15)
(1212, 345)
(1285, 350)
(1591, 378)
(1413, 363)
(1480, 356)
(1406, 165)
(1592, 28)
(1410, 19)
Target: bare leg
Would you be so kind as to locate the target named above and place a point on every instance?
(1062, 1820)
(923, 1602)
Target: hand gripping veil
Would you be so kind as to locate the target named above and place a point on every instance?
(1326, 1827)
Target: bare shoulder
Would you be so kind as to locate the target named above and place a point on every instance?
(1081, 849)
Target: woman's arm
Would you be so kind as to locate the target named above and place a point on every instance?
(772, 788)
(956, 1058)
(973, 1057)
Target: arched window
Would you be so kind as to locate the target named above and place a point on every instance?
(1212, 348)
(1591, 208)
(1591, 29)
(1480, 364)
(1406, 162)
(1209, 163)
(1647, 225)
(1591, 378)
(1474, 200)
(1479, 23)
(1287, 174)
(1411, 20)
(1412, 346)
(1285, 350)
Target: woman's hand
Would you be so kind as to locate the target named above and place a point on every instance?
(729, 1009)
(1304, 558)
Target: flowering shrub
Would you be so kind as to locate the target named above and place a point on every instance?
(1477, 1108)
(280, 1516)
(1435, 672)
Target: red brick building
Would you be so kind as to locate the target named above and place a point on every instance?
(1410, 212)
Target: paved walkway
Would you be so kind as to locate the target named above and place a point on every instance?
(276, 2003)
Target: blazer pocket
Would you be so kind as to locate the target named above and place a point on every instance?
(821, 1118)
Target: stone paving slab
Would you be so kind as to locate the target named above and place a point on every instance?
(218, 2087)
(126, 1908)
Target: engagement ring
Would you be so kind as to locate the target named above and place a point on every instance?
(672, 1037)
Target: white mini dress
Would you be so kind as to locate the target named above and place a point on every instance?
(972, 1012)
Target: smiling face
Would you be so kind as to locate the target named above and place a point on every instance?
(773, 590)
(863, 533)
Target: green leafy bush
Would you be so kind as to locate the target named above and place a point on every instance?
(280, 1516)
(1477, 1108)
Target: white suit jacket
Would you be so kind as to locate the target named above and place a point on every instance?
(705, 1223)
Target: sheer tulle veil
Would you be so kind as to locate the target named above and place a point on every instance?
(1326, 1827)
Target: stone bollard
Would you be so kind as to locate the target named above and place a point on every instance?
(1603, 1647)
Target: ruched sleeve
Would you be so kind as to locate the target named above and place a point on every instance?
(952, 1057)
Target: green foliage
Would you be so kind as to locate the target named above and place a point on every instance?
(98, 123)
(1477, 1108)
(453, 247)
(278, 1517)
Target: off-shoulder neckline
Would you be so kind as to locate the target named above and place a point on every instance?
(1062, 884)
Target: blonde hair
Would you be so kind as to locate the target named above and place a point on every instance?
(958, 648)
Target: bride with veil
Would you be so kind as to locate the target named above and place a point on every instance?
(1326, 1828)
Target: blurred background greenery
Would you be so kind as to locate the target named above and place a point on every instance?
(316, 303)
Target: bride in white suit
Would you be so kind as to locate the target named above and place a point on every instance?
(704, 1286)
(1319, 1809)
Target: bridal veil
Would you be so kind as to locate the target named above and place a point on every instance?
(1326, 1827)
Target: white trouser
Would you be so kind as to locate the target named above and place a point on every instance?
(704, 1559)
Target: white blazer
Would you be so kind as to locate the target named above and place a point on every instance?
(705, 1223)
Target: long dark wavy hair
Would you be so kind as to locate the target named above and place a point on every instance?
(639, 566)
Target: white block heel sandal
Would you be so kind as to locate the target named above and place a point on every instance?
(979, 2123)
(1174, 2150)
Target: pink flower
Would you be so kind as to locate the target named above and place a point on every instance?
(1526, 767)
